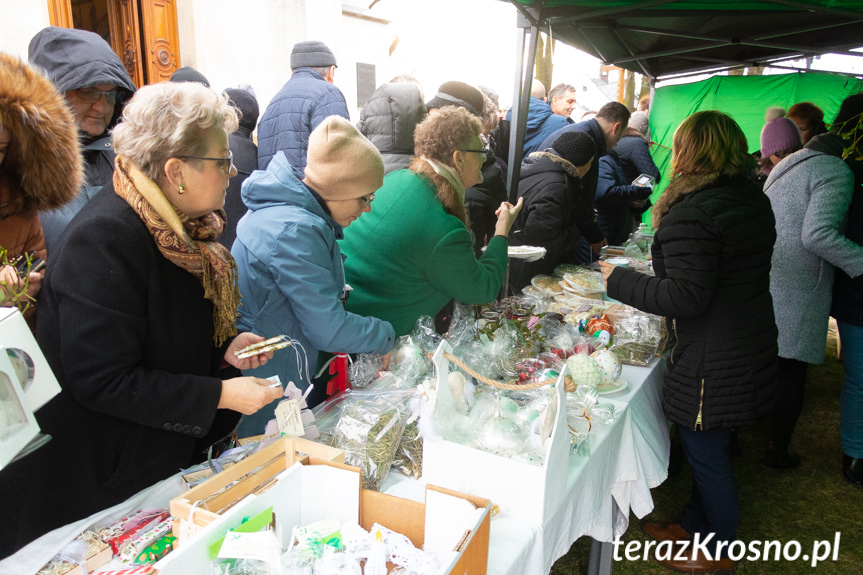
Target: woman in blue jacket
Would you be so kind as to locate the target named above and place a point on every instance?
(291, 274)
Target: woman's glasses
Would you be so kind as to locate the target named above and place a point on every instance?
(484, 151)
(226, 164)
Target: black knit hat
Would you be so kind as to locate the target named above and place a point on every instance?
(458, 94)
(246, 103)
(312, 54)
(189, 74)
(577, 148)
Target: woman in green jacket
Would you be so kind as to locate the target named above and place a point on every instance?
(413, 252)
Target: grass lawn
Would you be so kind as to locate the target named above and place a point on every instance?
(808, 504)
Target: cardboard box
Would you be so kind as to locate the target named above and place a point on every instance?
(311, 489)
(202, 504)
(520, 489)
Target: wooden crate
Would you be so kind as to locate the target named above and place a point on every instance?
(205, 502)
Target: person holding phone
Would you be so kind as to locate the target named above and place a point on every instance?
(137, 319)
(33, 118)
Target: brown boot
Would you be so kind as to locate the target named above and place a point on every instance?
(666, 531)
(700, 565)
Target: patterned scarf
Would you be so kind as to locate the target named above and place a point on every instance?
(187, 243)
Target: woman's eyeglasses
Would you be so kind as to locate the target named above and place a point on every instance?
(226, 164)
(484, 151)
(90, 96)
(367, 199)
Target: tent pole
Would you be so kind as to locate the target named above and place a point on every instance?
(521, 99)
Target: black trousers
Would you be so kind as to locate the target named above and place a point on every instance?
(789, 400)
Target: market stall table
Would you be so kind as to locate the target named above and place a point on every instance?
(626, 459)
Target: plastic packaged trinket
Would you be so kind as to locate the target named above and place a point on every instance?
(272, 344)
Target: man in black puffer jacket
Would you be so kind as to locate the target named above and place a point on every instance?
(714, 239)
(555, 205)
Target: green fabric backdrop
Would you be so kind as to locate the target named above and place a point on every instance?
(744, 98)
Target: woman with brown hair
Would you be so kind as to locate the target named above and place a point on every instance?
(711, 254)
(809, 119)
(413, 252)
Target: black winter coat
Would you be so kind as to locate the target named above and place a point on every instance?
(246, 161)
(711, 255)
(129, 336)
(555, 206)
(481, 201)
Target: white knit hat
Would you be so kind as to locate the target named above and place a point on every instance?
(341, 163)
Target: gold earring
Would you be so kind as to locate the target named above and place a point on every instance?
(181, 188)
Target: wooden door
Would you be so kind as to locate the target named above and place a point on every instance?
(126, 38)
(143, 33)
(161, 39)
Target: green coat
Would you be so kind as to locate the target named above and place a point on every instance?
(408, 257)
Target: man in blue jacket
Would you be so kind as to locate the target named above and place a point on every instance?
(307, 98)
(541, 120)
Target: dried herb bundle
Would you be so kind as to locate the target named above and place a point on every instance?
(369, 433)
(409, 455)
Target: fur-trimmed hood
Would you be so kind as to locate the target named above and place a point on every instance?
(683, 185)
(557, 160)
(44, 161)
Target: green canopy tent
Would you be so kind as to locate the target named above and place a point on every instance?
(745, 98)
(670, 38)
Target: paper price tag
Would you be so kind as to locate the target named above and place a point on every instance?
(288, 417)
(261, 545)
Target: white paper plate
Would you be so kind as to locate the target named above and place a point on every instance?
(618, 385)
(524, 252)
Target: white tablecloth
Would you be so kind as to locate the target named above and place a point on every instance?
(626, 460)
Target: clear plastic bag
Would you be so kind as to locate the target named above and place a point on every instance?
(369, 429)
(364, 369)
(409, 455)
(243, 567)
(637, 337)
(462, 328)
(424, 334)
(495, 427)
(409, 360)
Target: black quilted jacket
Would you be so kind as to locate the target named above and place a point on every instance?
(711, 256)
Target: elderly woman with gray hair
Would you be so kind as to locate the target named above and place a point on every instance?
(137, 320)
